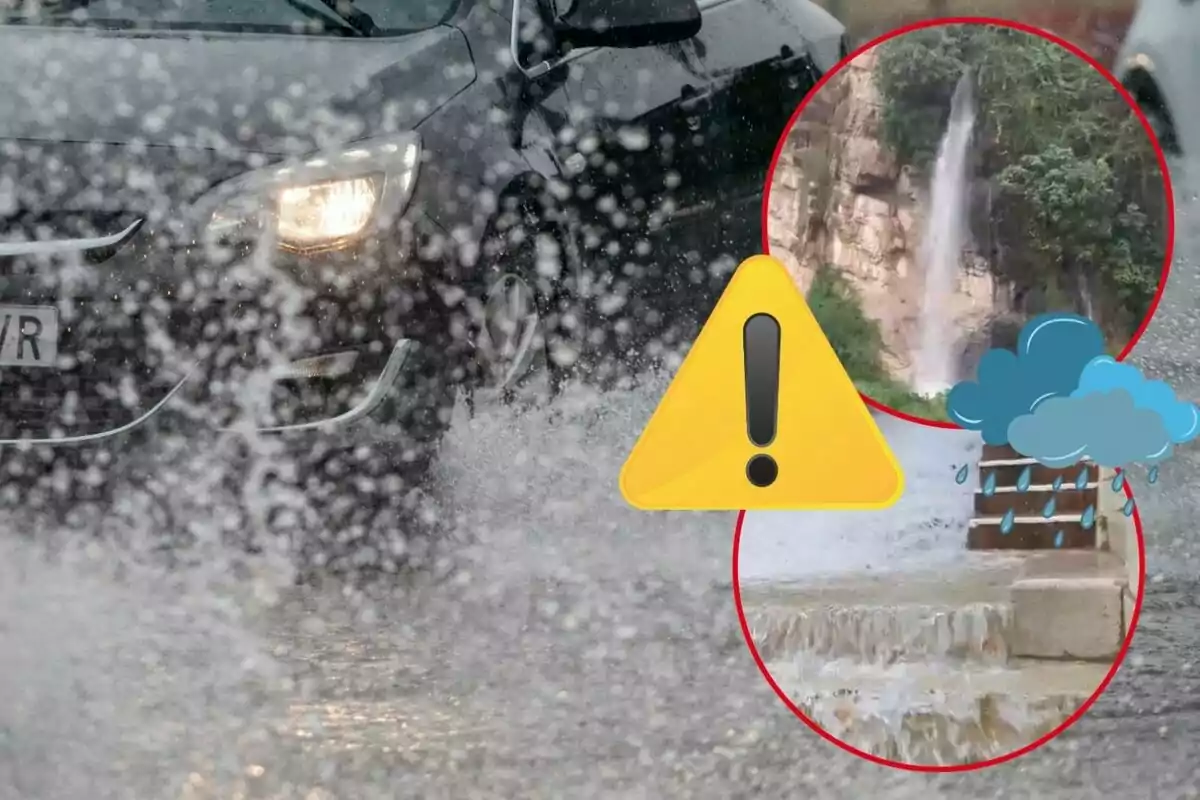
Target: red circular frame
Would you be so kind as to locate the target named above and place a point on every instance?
(991, 762)
(1003, 23)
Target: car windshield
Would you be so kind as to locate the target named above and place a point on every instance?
(283, 16)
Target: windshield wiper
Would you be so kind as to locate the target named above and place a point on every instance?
(355, 18)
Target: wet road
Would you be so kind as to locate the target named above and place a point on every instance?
(581, 650)
(613, 668)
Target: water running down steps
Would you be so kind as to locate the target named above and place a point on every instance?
(935, 367)
(933, 667)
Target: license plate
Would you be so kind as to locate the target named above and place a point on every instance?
(28, 336)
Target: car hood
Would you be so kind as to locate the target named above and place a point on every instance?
(267, 94)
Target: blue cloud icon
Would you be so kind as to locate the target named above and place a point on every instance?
(1105, 374)
(1107, 427)
(1052, 351)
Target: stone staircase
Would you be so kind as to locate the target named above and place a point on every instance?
(950, 667)
(1001, 473)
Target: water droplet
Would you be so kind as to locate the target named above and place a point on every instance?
(1048, 509)
(989, 485)
(1057, 483)
(961, 476)
(1118, 481)
(1153, 476)
(1089, 517)
(1006, 522)
(1024, 479)
(1129, 506)
(1058, 539)
(1081, 480)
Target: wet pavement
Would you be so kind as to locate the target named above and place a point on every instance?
(611, 685)
(589, 652)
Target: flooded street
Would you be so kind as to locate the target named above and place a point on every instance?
(590, 680)
(576, 649)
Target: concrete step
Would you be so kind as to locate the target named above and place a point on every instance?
(1067, 500)
(959, 612)
(1031, 532)
(938, 714)
(1008, 471)
(1061, 617)
(884, 634)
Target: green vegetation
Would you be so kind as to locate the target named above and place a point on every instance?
(1077, 194)
(859, 344)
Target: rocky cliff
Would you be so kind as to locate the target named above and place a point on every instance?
(838, 197)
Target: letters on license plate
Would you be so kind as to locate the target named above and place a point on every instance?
(28, 336)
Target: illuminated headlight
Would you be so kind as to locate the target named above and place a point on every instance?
(319, 203)
(326, 212)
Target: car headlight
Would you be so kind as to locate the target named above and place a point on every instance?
(322, 202)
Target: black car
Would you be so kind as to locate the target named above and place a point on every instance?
(322, 222)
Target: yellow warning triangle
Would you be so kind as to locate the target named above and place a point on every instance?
(823, 449)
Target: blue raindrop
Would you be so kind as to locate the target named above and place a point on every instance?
(1057, 483)
(1006, 522)
(1024, 479)
(1089, 517)
(989, 485)
(1081, 480)
(1129, 506)
(1153, 476)
(1049, 508)
(1058, 539)
(960, 477)
(1118, 481)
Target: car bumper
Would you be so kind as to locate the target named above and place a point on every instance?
(384, 414)
(205, 336)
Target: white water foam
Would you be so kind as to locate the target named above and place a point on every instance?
(925, 529)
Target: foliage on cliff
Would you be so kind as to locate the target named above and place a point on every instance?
(858, 343)
(1078, 195)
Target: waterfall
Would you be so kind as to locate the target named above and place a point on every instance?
(935, 359)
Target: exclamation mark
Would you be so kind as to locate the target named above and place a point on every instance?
(760, 342)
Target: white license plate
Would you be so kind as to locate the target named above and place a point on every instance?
(28, 336)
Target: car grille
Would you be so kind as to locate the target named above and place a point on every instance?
(47, 403)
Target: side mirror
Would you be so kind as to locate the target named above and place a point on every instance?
(624, 23)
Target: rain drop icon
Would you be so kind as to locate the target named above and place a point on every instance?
(1024, 479)
(1057, 483)
(1153, 475)
(961, 476)
(1006, 522)
(1081, 480)
(989, 485)
(1058, 539)
(1129, 506)
(1118, 482)
(1089, 517)
(1049, 508)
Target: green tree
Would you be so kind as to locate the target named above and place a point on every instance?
(1079, 193)
(858, 343)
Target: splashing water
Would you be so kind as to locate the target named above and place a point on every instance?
(1049, 508)
(1058, 482)
(1081, 480)
(1025, 479)
(960, 477)
(941, 246)
(989, 485)
(1152, 477)
(1118, 482)
(1058, 539)
(1129, 507)
(1006, 522)
(1089, 517)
